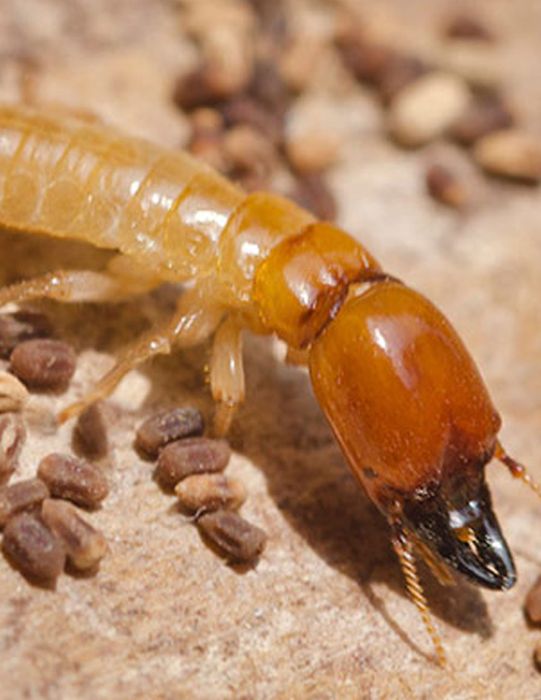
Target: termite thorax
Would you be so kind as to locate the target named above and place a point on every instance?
(304, 280)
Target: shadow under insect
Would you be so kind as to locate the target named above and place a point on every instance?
(282, 430)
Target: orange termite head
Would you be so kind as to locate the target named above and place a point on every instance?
(400, 390)
(413, 417)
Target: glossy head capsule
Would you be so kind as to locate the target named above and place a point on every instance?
(412, 414)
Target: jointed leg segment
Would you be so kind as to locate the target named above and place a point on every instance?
(194, 320)
(68, 286)
(122, 279)
(227, 373)
(150, 344)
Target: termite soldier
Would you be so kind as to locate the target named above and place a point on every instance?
(403, 396)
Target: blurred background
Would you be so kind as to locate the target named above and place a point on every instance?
(417, 127)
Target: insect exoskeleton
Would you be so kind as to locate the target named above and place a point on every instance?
(403, 396)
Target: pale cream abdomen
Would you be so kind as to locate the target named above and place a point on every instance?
(77, 179)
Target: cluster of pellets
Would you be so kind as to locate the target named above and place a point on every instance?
(193, 467)
(255, 62)
(455, 95)
(43, 530)
(238, 99)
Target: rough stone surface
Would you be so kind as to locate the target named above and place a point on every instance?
(324, 614)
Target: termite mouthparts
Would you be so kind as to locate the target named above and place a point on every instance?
(402, 394)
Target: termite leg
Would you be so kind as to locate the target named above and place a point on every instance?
(194, 321)
(517, 470)
(404, 551)
(74, 286)
(150, 344)
(132, 274)
(227, 373)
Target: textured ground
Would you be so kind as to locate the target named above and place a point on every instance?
(324, 614)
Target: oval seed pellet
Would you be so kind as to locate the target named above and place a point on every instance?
(85, 546)
(44, 364)
(210, 492)
(236, 537)
(74, 479)
(445, 186)
(24, 495)
(33, 549)
(165, 427)
(192, 456)
(510, 153)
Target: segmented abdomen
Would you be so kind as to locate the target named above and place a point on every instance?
(74, 179)
(77, 179)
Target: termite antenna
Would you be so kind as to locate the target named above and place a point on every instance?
(518, 471)
(404, 551)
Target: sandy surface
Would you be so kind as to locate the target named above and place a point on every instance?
(324, 614)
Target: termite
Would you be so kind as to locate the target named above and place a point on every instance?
(401, 392)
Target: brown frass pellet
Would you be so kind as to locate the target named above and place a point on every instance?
(466, 26)
(85, 546)
(200, 88)
(445, 186)
(44, 364)
(167, 426)
(207, 492)
(365, 59)
(74, 479)
(192, 456)
(234, 536)
(33, 549)
(532, 604)
(91, 429)
(24, 495)
(12, 438)
(20, 326)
